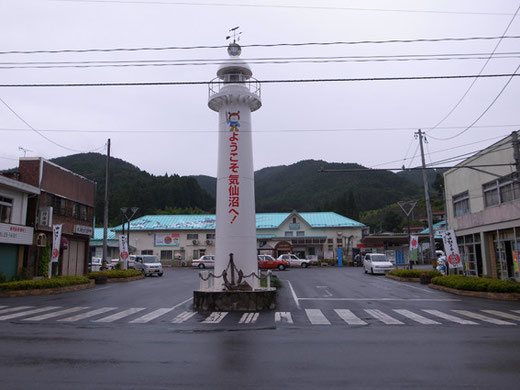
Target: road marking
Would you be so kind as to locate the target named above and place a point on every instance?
(151, 316)
(349, 317)
(449, 317)
(9, 310)
(1, 307)
(384, 299)
(249, 318)
(283, 316)
(182, 303)
(325, 290)
(184, 316)
(121, 314)
(503, 315)
(483, 317)
(416, 317)
(316, 317)
(385, 318)
(427, 290)
(215, 317)
(25, 313)
(55, 314)
(296, 299)
(88, 314)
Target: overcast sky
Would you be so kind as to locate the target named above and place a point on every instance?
(170, 129)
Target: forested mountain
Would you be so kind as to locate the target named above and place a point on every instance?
(302, 186)
(131, 187)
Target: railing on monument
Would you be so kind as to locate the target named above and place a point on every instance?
(216, 85)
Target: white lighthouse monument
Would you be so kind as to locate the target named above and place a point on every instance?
(234, 94)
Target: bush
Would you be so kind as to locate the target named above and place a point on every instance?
(114, 274)
(61, 281)
(413, 273)
(477, 284)
(45, 258)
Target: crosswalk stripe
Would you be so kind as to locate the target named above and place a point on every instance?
(55, 314)
(26, 313)
(88, 314)
(416, 317)
(1, 307)
(449, 317)
(349, 317)
(184, 316)
(152, 316)
(11, 309)
(316, 317)
(249, 318)
(502, 314)
(283, 316)
(483, 317)
(215, 317)
(121, 314)
(385, 318)
(516, 311)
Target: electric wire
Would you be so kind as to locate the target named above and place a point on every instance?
(259, 45)
(279, 81)
(480, 72)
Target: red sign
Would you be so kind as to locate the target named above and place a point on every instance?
(124, 255)
(55, 253)
(454, 259)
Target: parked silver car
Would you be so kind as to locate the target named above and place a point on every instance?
(148, 265)
(377, 263)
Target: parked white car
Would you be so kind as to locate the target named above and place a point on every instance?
(95, 264)
(149, 265)
(294, 261)
(206, 261)
(377, 263)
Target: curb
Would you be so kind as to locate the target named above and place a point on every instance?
(478, 294)
(400, 279)
(47, 291)
(122, 280)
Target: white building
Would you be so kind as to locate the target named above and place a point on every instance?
(483, 207)
(181, 238)
(15, 235)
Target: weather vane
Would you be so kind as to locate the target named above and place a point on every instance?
(234, 49)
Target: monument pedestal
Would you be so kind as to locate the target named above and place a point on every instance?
(257, 300)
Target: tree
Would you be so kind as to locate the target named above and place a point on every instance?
(392, 221)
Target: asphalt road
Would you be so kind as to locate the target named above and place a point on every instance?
(333, 329)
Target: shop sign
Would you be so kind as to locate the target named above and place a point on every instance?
(45, 219)
(16, 234)
(451, 249)
(166, 239)
(82, 229)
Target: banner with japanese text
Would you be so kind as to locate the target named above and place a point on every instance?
(123, 248)
(451, 249)
(56, 242)
(413, 254)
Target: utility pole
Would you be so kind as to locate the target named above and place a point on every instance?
(427, 197)
(105, 210)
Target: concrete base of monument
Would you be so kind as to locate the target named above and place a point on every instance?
(257, 300)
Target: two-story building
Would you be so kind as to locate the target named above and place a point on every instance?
(483, 207)
(182, 238)
(65, 198)
(15, 234)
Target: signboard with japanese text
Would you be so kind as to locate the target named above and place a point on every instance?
(56, 242)
(16, 234)
(123, 248)
(451, 249)
(82, 229)
(166, 239)
(45, 217)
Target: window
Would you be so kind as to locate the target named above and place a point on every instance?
(294, 220)
(193, 236)
(330, 240)
(166, 255)
(300, 233)
(461, 204)
(6, 207)
(75, 210)
(83, 214)
(339, 240)
(502, 190)
(147, 252)
(288, 234)
(210, 236)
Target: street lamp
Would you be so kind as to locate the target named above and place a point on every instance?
(127, 219)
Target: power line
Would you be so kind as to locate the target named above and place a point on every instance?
(260, 45)
(326, 8)
(480, 72)
(280, 81)
(255, 61)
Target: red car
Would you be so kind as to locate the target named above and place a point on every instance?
(269, 262)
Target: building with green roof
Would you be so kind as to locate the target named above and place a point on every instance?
(181, 238)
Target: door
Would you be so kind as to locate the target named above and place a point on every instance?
(8, 260)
